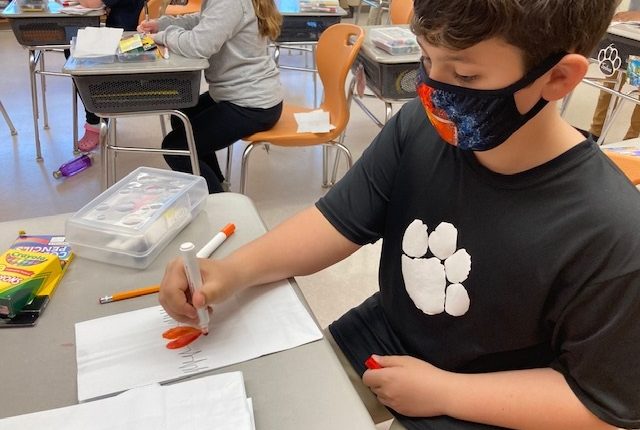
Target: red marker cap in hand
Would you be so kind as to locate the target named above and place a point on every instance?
(371, 363)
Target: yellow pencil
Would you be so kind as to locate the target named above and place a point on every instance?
(123, 295)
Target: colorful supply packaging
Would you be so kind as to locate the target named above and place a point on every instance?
(633, 70)
(23, 274)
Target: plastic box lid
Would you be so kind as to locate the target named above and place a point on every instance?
(395, 40)
(132, 221)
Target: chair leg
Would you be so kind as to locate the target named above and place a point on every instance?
(325, 166)
(226, 185)
(358, 11)
(163, 126)
(340, 147)
(609, 122)
(565, 103)
(8, 120)
(388, 111)
(43, 88)
(74, 113)
(104, 152)
(244, 166)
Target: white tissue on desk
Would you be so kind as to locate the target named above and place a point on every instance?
(78, 9)
(316, 121)
(94, 42)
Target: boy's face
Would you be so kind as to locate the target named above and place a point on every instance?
(476, 98)
(489, 65)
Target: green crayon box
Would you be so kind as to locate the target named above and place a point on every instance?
(22, 275)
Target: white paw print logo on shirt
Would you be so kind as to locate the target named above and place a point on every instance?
(434, 283)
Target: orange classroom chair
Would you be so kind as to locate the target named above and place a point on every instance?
(337, 48)
(400, 12)
(192, 6)
(629, 164)
(156, 9)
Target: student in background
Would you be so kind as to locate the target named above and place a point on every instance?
(349, 6)
(120, 14)
(245, 95)
(600, 113)
(510, 272)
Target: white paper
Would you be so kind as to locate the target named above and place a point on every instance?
(127, 350)
(316, 121)
(76, 9)
(213, 402)
(96, 42)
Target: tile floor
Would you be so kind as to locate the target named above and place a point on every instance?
(281, 181)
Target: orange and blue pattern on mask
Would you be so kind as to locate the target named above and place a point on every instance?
(438, 117)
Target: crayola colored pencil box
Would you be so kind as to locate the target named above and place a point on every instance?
(22, 275)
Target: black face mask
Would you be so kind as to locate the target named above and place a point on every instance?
(478, 120)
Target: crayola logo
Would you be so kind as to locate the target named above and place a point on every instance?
(21, 259)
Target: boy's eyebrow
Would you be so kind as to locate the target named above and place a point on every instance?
(455, 56)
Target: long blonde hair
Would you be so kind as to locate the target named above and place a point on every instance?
(269, 18)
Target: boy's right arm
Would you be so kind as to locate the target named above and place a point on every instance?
(304, 244)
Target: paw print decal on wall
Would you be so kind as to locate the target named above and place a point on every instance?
(609, 60)
(434, 282)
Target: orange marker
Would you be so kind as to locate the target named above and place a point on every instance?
(130, 294)
(216, 241)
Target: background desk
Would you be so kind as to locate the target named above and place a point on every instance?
(301, 388)
(304, 26)
(46, 30)
(391, 78)
(132, 88)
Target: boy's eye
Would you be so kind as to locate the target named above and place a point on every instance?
(465, 79)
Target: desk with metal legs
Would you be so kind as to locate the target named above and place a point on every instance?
(303, 388)
(137, 88)
(391, 78)
(41, 31)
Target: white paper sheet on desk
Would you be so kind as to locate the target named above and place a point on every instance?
(126, 350)
(213, 402)
(96, 42)
(78, 9)
(316, 121)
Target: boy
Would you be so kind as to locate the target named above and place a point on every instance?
(510, 269)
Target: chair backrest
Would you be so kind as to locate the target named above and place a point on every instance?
(192, 6)
(156, 9)
(400, 12)
(336, 51)
(629, 164)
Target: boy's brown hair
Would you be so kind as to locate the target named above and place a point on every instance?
(538, 27)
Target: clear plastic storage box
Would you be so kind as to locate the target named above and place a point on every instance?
(131, 222)
(395, 40)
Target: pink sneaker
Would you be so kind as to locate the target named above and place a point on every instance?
(91, 138)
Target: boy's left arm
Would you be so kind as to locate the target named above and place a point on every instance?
(524, 399)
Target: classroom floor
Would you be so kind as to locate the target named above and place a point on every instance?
(281, 181)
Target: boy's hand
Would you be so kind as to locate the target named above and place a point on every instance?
(407, 385)
(150, 27)
(175, 296)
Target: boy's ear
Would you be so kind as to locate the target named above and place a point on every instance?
(565, 76)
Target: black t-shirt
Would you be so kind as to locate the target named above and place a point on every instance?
(484, 272)
(123, 13)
